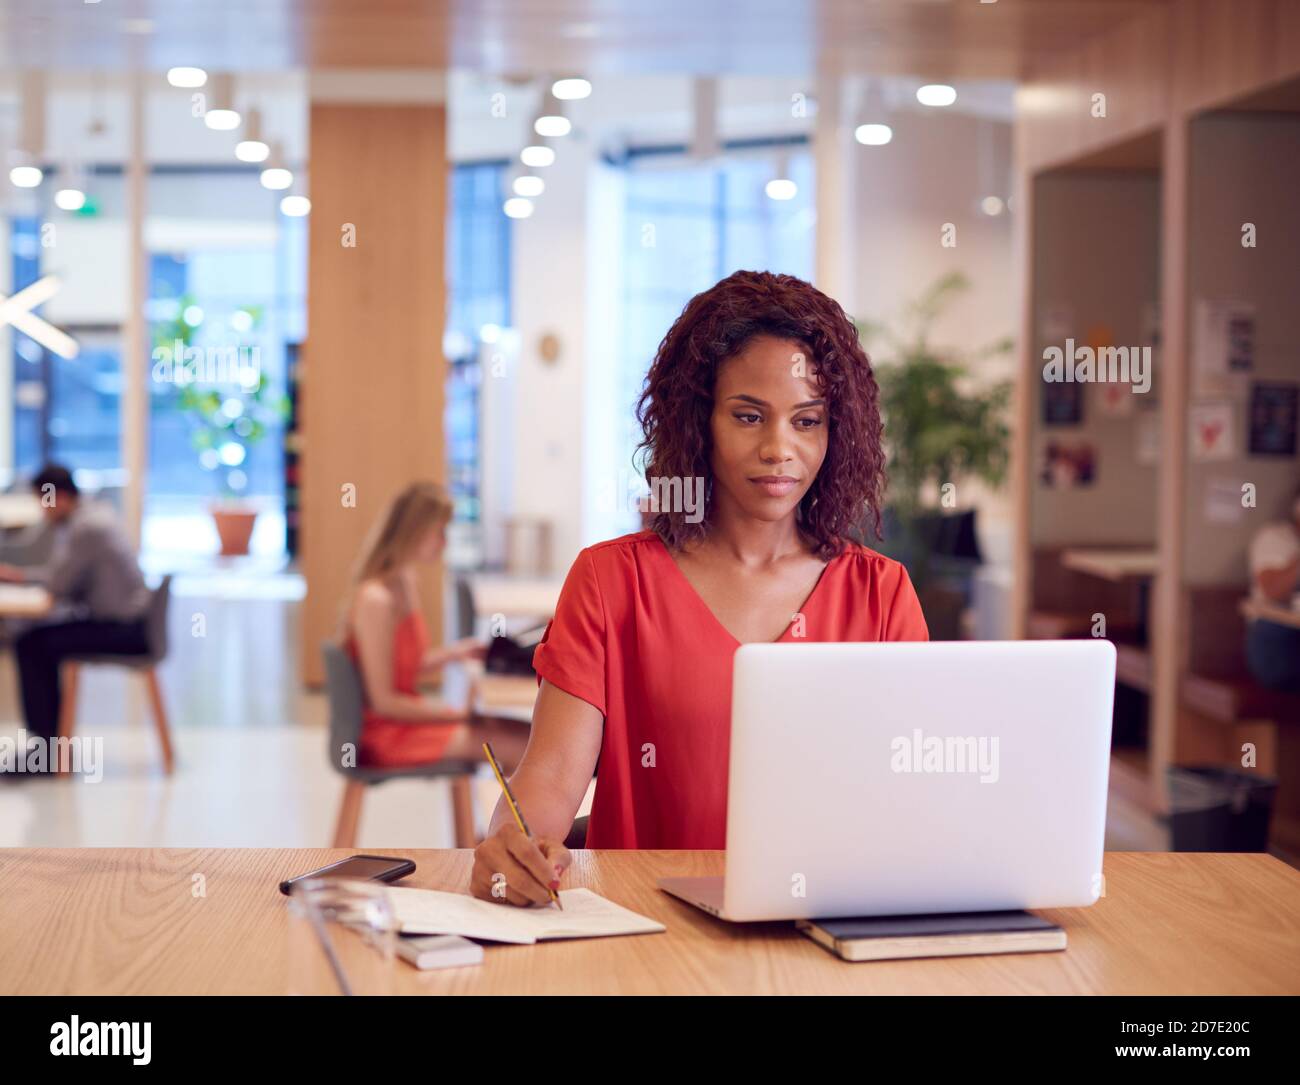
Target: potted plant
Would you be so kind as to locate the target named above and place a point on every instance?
(226, 398)
(941, 426)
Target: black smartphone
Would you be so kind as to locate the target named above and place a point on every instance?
(373, 868)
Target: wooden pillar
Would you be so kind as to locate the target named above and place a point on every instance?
(833, 151)
(1025, 390)
(1168, 597)
(134, 404)
(373, 371)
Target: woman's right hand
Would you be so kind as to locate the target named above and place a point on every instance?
(509, 868)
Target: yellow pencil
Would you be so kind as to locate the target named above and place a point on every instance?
(514, 808)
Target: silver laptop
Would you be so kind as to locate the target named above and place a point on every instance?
(893, 779)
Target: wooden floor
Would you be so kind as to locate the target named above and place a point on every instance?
(250, 746)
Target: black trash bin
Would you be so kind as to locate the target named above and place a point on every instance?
(1218, 809)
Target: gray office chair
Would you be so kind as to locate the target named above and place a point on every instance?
(346, 704)
(145, 665)
(465, 615)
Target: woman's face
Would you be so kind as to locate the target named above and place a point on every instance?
(770, 428)
(433, 544)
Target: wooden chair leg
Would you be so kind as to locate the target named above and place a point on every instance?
(160, 718)
(462, 811)
(345, 829)
(69, 678)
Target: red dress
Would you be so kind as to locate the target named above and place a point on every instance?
(392, 742)
(632, 637)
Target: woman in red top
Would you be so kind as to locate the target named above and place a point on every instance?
(385, 634)
(762, 426)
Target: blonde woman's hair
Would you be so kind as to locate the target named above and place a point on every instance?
(396, 536)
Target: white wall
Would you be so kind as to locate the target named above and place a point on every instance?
(550, 279)
(1097, 253)
(936, 169)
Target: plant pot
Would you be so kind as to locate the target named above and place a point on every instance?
(234, 527)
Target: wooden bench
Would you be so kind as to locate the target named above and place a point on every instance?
(1221, 707)
(1064, 601)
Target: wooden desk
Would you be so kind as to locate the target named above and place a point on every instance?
(505, 696)
(1119, 565)
(19, 510)
(1112, 564)
(516, 597)
(1255, 610)
(124, 921)
(24, 601)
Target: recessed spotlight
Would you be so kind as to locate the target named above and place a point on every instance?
(221, 120)
(781, 188)
(569, 90)
(936, 94)
(252, 150)
(186, 77)
(518, 208)
(537, 156)
(528, 185)
(276, 178)
(295, 206)
(552, 125)
(873, 135)
(70, 199)
(991, 205)
(26, 176)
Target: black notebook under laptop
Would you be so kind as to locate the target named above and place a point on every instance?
(960, 934)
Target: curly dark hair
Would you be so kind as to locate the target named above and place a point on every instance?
(676, 403)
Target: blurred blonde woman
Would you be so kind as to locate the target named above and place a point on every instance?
(385, 634)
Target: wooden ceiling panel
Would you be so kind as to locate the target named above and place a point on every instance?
(953, 38)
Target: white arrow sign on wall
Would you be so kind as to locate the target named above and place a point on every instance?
(17, 310)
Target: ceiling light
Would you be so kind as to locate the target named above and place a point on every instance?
(26, 176)
(295, 206)
(873, 135)
(186, 77)
(70, 199)
(518, 208)
(781, 188)
(276, 178)
(552, 125)
(537, 156)
(252, 148)
(568, 90)
(221, 120)
(220, 114)
(936, 94)
(528, 185)
(991, 205)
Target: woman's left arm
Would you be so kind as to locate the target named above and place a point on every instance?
(467, 648)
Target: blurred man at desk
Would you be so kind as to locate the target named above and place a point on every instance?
(99, 596)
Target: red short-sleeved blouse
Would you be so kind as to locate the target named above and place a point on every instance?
(633, 638)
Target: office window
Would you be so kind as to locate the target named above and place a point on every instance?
(690, 224)
(223, 258)
(478, 286)
(227, 273)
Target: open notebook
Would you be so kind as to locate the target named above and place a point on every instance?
(585, 915)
